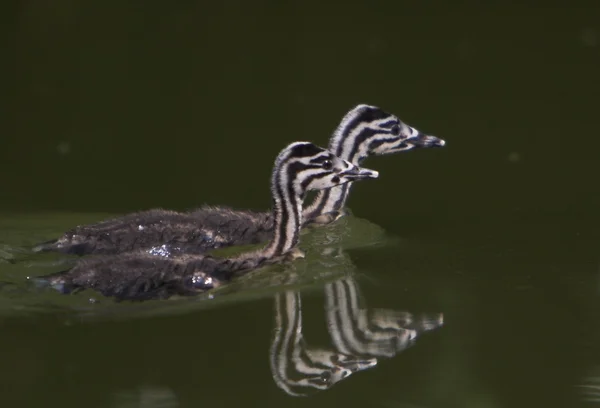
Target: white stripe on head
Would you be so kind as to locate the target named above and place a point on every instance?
(363, 148)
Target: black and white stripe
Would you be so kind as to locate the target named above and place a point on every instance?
(359, 337)
(365, 131)
(374, 333)
(298, 169)
(298, 369)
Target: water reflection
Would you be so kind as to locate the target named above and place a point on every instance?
(145, 397)
(296, 368)
(354, 329)
(589, 389)
(359, 336)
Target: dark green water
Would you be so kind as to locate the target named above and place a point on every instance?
(116, 107)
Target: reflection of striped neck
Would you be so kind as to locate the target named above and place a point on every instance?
(297, 369)
(376, 333)
(589, 387)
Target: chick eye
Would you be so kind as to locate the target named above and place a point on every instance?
(327, 164)
(395, 130)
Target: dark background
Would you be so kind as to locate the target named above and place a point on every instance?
(120, 106)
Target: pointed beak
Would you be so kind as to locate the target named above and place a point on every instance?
(422, 140)
(359, 173)
(357, 364)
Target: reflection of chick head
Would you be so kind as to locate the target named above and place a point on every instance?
(322, 369)
(343, 365)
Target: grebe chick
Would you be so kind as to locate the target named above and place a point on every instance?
(138, 275)
(364, 131)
